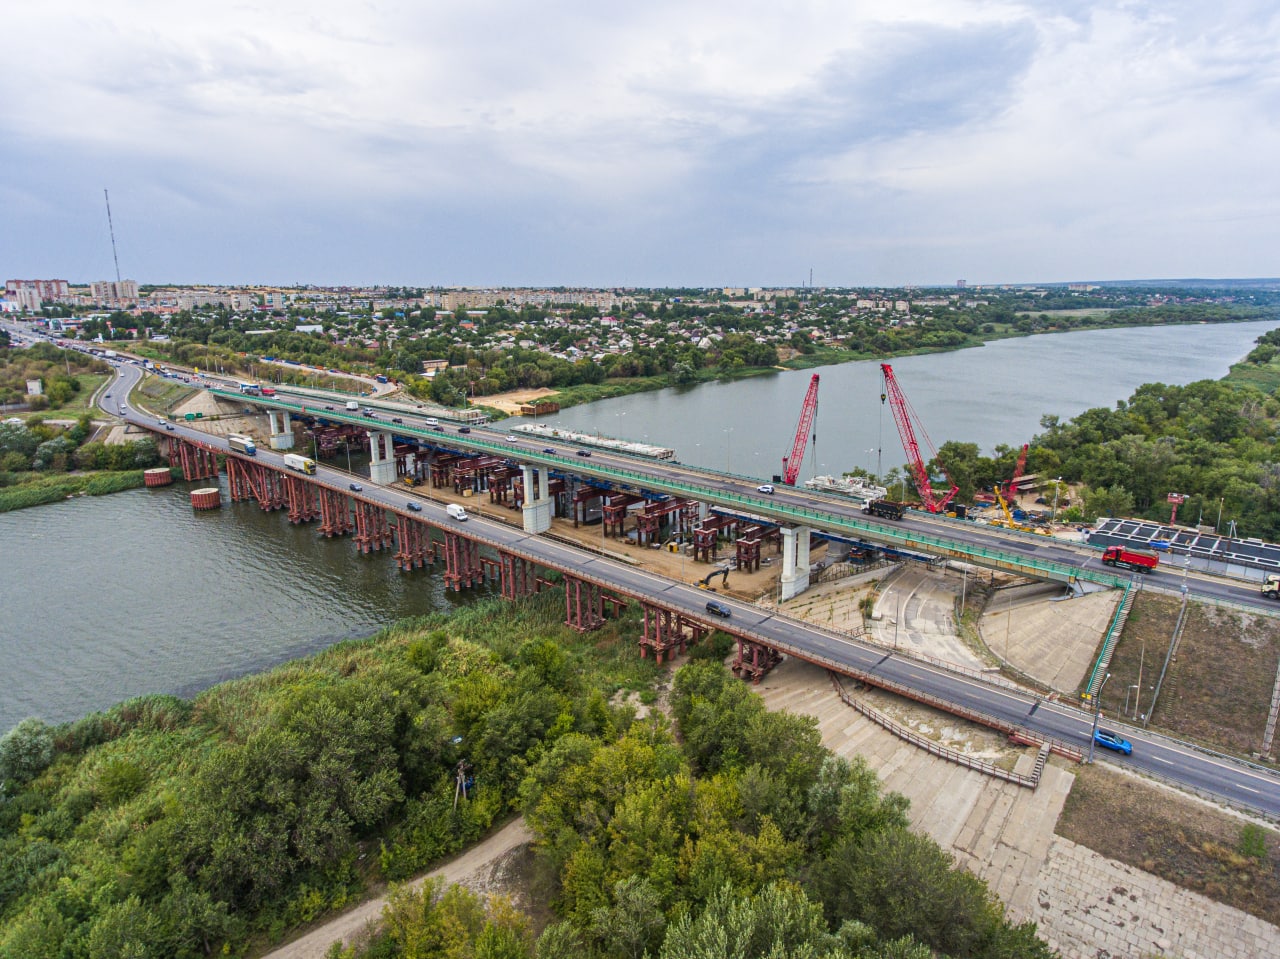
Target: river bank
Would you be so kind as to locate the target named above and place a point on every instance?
(40, 489)
(583, 394)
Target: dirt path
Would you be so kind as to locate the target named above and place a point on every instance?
(348, 925)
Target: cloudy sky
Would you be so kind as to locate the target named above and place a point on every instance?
(665, 142)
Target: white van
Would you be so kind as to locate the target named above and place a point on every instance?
(352, 406)
(457, 512)
(432, 421)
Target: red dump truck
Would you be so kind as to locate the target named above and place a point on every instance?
(1142, 560)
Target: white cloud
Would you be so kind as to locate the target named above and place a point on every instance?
(1004, 140)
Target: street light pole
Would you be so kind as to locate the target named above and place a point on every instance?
(728, 447)
(1057, 486)
(1097, 714)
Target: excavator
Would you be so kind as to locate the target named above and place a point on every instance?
(705, 582)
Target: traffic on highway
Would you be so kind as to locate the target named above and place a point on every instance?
(1235, 781)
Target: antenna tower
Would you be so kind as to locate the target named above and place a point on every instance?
(112, 230)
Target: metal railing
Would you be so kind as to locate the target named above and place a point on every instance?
(937, 749)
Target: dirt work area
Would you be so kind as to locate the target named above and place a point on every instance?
(1220, 681)
(511, 401)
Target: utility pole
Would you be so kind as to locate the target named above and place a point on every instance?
(1097, 714)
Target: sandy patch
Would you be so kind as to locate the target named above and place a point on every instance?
(510, 401)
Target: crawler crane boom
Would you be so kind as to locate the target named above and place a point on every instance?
(904, 416)
(791, 464)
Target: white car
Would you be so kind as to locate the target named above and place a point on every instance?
(765, 488)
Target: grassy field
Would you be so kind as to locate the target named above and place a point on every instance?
(1265, 377)
(161, 395)
(1218, 687)
(79, 404)
(1189, 843)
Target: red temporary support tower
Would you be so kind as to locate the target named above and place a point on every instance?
(905, 416)
(615, 512)
(304, 505)
(373, 533)
(584, 608)
(197, 462)
(335, 512)
(753, 660)
(706, 537)
(413, 544)
(791, 464)
(462, 563)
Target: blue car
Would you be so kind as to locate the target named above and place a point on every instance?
(1110, 740)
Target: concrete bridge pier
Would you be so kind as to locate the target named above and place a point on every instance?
(382, 458)
(538, 507)
(795, 560)
(280, 429)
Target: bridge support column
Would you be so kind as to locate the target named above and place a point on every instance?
(517, 575)
(795, 561)
(382, 458)
(196, 462)
(414, 544)
(372, 531)
(538, 504)
(754, 660)
(667, 632)
(238, 479)
(335, 513)
(303, 503)
(462, 563)
(584, 608)
(281, 430)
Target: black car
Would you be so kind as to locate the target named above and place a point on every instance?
(396, 419)
(584, 452)
(328, 407)
(464, 429)
(169, 427)
(717, 608)
(548, 449)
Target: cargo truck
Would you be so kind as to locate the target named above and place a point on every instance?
(242, 444)
(1141, 560)
(303, 464)
(885, 509)
(1271, 586)
(457, 512)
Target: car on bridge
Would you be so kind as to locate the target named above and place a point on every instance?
(717, 608)
(464, 429)
(765, 488)
(1114, 741)
(415, 507)
(584, 452)
(357, 488)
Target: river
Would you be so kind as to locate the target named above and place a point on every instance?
(989, 395)
(110, 597)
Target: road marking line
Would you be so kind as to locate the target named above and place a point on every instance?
(1161, 759)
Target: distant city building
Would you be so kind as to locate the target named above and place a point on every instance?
(111, 293)
(27, 298)
(49, 290)
(309, 328)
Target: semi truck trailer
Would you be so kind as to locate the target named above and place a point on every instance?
(303, 464)
(242, 444)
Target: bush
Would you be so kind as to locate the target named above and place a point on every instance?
(25, 751)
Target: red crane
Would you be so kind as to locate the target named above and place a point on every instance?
(791, 464)
(1012, 489)
(904, 416)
